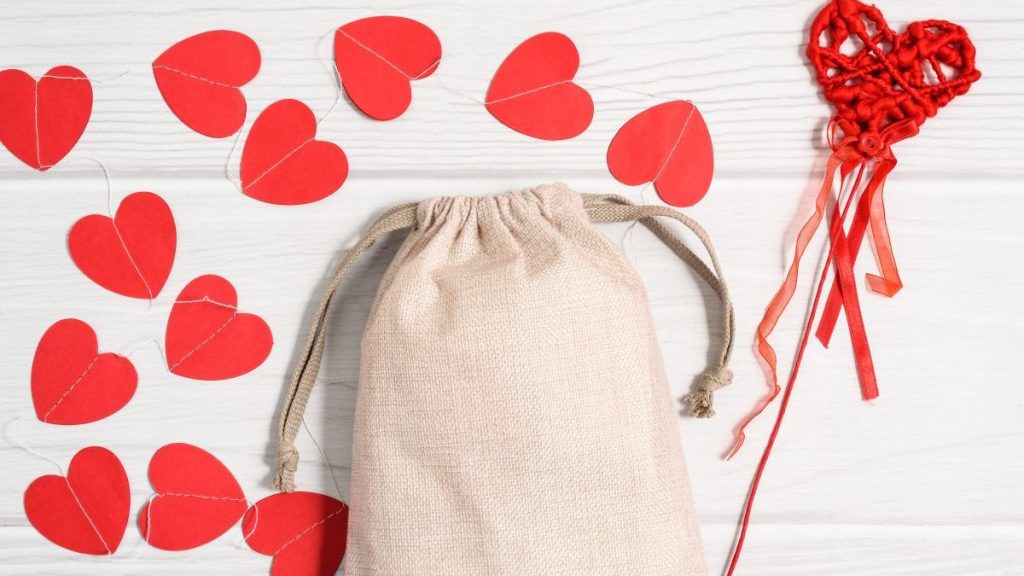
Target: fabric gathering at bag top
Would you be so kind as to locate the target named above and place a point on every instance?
(513, 415)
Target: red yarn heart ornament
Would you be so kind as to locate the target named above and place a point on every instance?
(883, 86)
(889, 77)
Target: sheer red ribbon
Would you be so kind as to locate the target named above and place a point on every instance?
(851, 156)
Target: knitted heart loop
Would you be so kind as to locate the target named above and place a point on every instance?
(876, 78)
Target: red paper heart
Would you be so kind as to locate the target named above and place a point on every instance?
(200, 78)
(87, 511)
(130, 254)
(208, 338)
(197, 499)
(72, 383)
(669, 145)
(42, 121)
(305, 532)
(377, 57)
(282, 163)
(876, 78)
(533, 93)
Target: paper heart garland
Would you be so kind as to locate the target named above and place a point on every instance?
(132, 253)
(305, 532)
(890, 77)
(42, 121)
(72, 382)
(378, 57)
(208, 338)
(197, 499)
(669, 145)
(200, 78)
(283, 163)
(86, 511)
(533, 93)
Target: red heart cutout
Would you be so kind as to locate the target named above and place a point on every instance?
(533, 93)
(72, 383)
(200, 78)
(669, 145)
(87, 511)
(42, 121)
(876, 78)
(283, 163)
(208, 338)
(378, 57)
(305, 532)
(132, 253)
(197, 499)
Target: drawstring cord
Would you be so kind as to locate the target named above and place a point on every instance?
(600, 208)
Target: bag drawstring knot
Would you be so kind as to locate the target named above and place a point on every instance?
(702, 400)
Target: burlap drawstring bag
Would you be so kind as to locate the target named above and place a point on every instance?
(513, 414)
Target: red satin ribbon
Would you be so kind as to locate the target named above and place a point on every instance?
(850, 154)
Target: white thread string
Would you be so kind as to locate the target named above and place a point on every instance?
(327, 461)
(117, 231)
(194, 77)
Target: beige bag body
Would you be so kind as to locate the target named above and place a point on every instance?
(513, 415)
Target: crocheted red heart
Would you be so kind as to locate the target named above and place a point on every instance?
(876, 78)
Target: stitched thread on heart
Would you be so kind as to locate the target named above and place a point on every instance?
(70, 388)
(39, 153)
(307, 530)
(213, 335)
(149, 509)
(194, 77)
(281, 161)
(426, 71)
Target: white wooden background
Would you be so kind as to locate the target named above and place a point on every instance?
(926, 480)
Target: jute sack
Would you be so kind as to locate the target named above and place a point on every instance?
(513, 415)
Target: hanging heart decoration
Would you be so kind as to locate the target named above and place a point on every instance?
(533, 90)
(72, 382)
(85, 511)
(197, 499)
(378, 58)
(669, 145)
(43, 120)
(209, 338)
(130, 254)
(284, 163)
(201, 76)
(305, 532)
